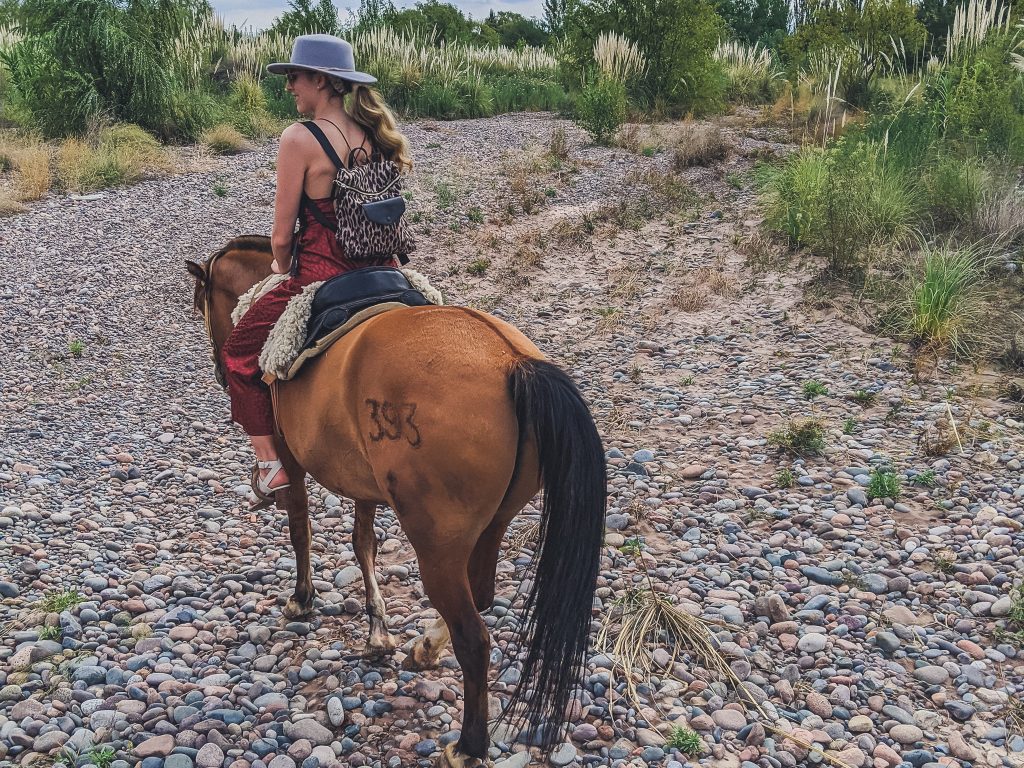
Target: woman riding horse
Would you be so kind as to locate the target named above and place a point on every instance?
(320, 75)
(448, 415)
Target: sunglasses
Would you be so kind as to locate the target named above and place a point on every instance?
(291, 77)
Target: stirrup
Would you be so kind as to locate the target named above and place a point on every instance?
(261, 487)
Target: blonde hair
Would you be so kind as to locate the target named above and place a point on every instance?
(367, 108)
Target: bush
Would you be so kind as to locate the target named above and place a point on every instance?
(945, 302)
(981, 101)
(109, 156)
(225, 139)
(601, 108)
(956, 189)
(803, 437)
(793, 195)
(247, 104)
(84, 58)
(30, 160)
(677, 37)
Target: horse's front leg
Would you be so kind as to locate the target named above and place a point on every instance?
(380, 642)
(296, 501)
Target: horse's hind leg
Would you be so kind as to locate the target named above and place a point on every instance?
(445, 579)
(427, 648)
(380, 641)
(296, 501)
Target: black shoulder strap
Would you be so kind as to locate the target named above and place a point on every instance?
(319, 135)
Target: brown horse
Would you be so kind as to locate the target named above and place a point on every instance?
(455, 420)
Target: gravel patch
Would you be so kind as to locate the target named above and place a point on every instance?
(876, 630)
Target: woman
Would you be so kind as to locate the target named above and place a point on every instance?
(321, 74)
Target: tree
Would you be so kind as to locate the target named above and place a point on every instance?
(306, 17)
(445, 21)
(374, 13)
(756, 21)
(678, 37)
(554, 16)
(514, 29)
(81, 58)
(9, 12)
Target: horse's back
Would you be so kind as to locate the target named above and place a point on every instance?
(413, 398)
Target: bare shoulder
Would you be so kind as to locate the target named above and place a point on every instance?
(296, 135)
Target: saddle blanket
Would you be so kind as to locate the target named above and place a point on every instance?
(283, 354)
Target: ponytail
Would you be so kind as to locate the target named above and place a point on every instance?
(371, 112)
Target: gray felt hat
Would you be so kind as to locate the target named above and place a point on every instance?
(323, 53)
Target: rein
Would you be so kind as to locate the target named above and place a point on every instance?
(218, 371)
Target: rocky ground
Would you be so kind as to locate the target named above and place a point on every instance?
(143, 602)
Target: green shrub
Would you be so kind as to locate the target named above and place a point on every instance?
(803, 437)
(79, 59)
(812, 388)
(601, 108)
(224, 140)
(945, 303)
(686, 741)
(981, 98)
(793, 195)
(956, 189)
(677, 37)
(884, 484)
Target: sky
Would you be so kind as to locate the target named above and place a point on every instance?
(261, 13)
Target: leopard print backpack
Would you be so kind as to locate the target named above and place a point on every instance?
(368, 205)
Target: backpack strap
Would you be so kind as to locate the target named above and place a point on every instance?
(321, 137)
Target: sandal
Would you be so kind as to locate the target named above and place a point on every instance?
(261, 486)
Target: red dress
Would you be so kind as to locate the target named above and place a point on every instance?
(320, 258)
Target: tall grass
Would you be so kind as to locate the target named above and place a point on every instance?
(618, 58)
(973, 22)
(750, 70)
(946, 304)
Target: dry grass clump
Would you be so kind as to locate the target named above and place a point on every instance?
(225, 139)
(690, 298)
(694, 294)
(29, 159)
(558, 144)
(760, 252)
(699, 144)
(109, 156)
(9, 206)
(716, 280)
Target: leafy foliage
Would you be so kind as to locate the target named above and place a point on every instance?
(601, 108)
(756, 21)
(81, 58)
(677, 36)
(305, 17)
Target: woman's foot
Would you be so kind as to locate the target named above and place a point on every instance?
(272, 476)
(268, 475)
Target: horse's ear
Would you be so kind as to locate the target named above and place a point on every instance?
(196, 270)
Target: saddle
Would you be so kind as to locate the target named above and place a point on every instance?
(324, 312)
(341, 297)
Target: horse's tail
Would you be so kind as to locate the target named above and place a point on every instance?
(559, 607)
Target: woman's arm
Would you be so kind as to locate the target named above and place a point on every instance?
(291, 175)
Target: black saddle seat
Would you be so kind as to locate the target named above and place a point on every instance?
(341, 297)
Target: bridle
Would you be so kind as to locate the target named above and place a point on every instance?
(218, 370)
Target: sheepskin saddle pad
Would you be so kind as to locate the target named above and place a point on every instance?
(326, 310)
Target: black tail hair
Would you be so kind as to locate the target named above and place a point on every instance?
(558, 610)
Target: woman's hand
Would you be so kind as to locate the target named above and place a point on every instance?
(276, 268)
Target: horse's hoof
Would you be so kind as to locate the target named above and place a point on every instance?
(449, 758)
(293, 609)
(378, 650)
